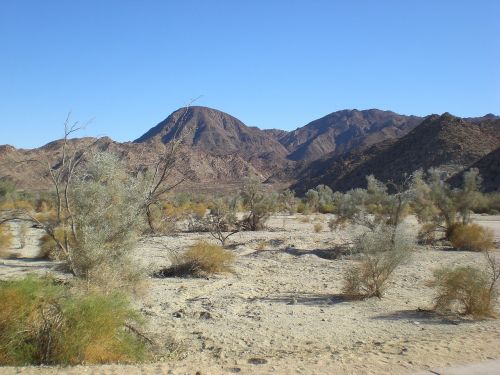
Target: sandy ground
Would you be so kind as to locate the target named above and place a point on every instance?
(280, 311)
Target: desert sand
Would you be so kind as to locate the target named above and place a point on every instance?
(280, 311)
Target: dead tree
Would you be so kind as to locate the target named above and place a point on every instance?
(60, 173)
(163, 168)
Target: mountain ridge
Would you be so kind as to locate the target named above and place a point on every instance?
(218, 147)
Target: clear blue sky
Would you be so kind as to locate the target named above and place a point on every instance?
(128, 64)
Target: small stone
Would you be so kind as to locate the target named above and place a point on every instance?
(205, 315)
(257, 361)
(178, 314)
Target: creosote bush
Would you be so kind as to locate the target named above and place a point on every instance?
(201, 259)
(42, 322)
(381, 251)
(471, 237)
(467, 290)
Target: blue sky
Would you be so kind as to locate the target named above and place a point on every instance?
(128, 64)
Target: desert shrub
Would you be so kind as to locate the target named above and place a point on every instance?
(41, 322)
(305, 219)
(381, 251)
(5, 240)
(163, 218)
(466, 289)
(427, 234)
(326, 208)
(471, 237)
(259, 203)
(319, 199)
(199, 210)
(373, 206)
(48, 247)
(318, 227)
(287, 202)
(201, 259)
(7, 189)
(312, 199)
(303, 208)
(437, 204)
(222, 221)
(106, 221)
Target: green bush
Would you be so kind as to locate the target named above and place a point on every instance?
(466, 289)
(41, 322)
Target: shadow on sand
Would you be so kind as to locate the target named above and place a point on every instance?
(330, 254)
(308, 299)
(423, 316)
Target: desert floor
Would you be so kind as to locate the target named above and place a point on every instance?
(280, 311)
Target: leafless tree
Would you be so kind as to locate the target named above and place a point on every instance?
(222, 221)
(161, 180)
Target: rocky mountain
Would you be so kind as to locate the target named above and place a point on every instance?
(489, 168)
(341, 131)
(339, 149)
(214, 132)
(28, 168)
(445, 142)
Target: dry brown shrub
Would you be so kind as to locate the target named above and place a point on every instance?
(199, 210)
(427, 234)
(48, 247)
(466, 290)
(5, 240)
(318, 227)
(471, 237)
(201, 259)
(261, 245)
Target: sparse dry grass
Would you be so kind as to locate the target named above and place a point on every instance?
(5, 240)
(464, 289)
(201, 259)
(318, 227)
(471, 237)
(261, 246)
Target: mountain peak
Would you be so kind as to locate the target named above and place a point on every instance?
(213, 131)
